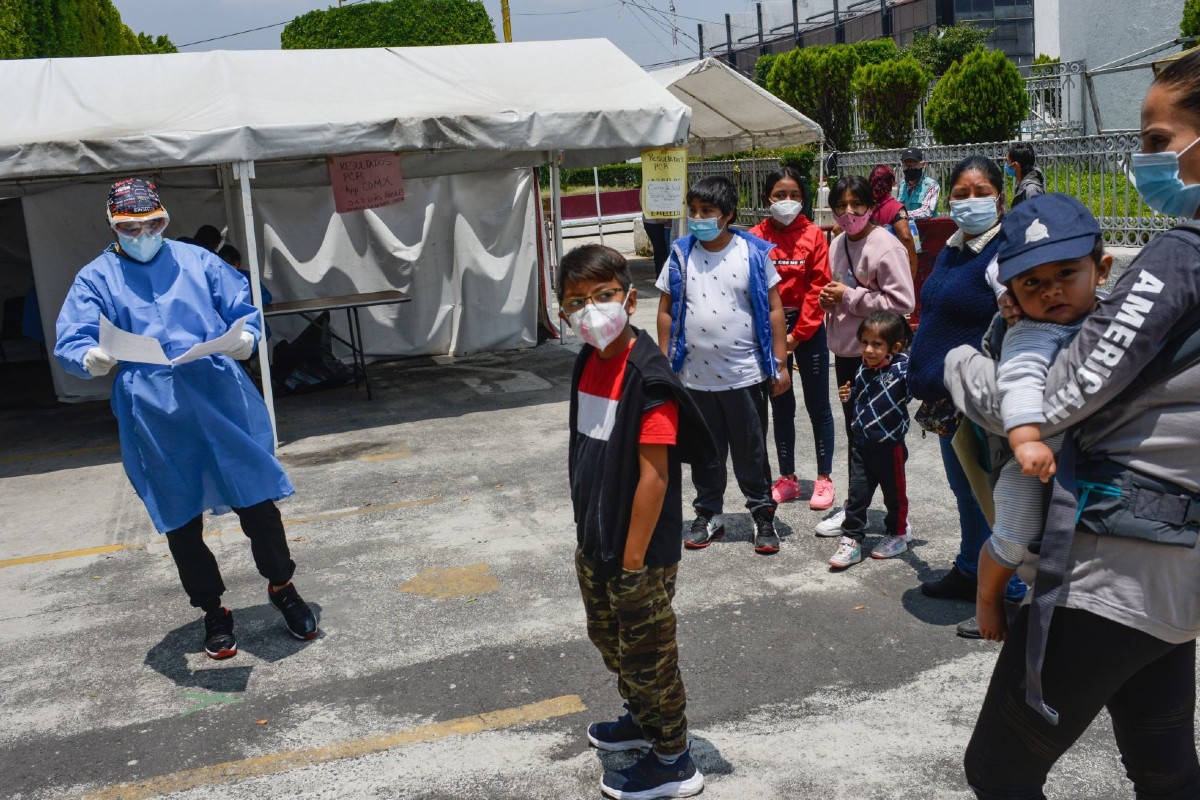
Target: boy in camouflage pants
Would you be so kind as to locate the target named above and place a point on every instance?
(631, 424)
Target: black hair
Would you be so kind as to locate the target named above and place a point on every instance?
(1022, 153)
(208, 237)
(717, 190)
(986, 166)
(857, 185)
(593, 262)
(230, 255)
(1183, 75)
(777, 175)
(891, 326)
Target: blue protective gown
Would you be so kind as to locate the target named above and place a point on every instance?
(194, 437)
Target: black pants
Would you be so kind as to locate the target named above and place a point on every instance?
(198, 569)
(844, 370)
(738, 421)
(1147, 685)
(876, 467)
(659, 234)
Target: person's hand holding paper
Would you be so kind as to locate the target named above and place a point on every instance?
(125, 346)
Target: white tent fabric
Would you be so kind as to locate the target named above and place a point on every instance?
(79, 116)
(730, 112)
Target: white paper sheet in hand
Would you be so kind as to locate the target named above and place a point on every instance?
(125, 346)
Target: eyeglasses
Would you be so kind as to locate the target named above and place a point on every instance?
(139, 227)
(572, 304)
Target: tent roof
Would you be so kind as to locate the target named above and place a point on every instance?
(731, 113)
(74, 116)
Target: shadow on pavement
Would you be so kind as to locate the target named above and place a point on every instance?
(260, 633)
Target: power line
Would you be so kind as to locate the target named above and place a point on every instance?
(562, 13)
(253, 30)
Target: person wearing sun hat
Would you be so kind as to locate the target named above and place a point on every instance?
(195, 437)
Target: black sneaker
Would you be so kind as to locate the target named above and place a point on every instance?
(766, 540)
(702, 532)
(218, 634)
(954, 585)
(299, 618)
(623, 734)
(650, 778)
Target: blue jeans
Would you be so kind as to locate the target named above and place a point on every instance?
(812, 357)
(971, 521)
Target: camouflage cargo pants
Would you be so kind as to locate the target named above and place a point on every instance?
(632, 624)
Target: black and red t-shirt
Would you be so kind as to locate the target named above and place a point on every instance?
(598, 396)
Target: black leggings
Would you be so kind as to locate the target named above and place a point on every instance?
(1147, 685)
(198, 569)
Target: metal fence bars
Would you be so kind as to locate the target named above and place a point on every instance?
(1095, 169)
(748, 176)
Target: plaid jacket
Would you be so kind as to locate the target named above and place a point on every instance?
(880, 397)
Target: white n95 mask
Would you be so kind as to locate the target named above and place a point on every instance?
(599, 324)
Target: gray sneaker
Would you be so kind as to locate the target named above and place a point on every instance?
(890, 546)
(702, 532)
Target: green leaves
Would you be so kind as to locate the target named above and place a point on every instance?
(936, 51)
(395, 23)
(888, 94)
(1190, 24)
(63, 28)
(817, 82)
(980, 99)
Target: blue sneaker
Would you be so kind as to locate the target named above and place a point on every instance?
(624, 734)
(649, 778)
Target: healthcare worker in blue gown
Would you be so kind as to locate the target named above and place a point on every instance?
(194, 437)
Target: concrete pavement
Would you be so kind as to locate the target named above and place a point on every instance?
(433, 531)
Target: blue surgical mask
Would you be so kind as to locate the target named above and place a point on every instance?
(705, 229)
(1156, 176)
(141, 248)
(1010, 170)
(975, 214)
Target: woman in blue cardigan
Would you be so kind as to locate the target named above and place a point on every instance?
(958, 302)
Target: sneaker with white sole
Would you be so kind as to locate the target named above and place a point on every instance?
(649, 779)
(890, 546)
(822, 496)
(785, 489)
(848, 552)
(702, 532)
(832, 525)
(621, 734)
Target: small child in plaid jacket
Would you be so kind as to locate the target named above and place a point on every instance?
(880, 395)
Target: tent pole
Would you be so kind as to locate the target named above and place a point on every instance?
(599, 217)
(224, 177)
(556, 211)
(244, 171)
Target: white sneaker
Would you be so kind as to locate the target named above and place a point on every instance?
(831, 525)
(890, 546)
(848, 552)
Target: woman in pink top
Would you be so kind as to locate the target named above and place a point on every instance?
(870, 273)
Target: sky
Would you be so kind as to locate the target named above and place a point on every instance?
(641, 28)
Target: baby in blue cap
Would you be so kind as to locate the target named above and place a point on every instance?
(1052, 260)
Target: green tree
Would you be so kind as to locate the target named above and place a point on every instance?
(65, 28)
(936, 51)
(888, 94)
(1190, 24)
(762, 68)
(817, 82)
(393, 23)
(980, 99)
(877, 51)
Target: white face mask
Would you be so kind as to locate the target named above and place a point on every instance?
(599, 324)
(785, 211)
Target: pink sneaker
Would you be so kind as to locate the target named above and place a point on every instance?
(785, 489)
(822, 496)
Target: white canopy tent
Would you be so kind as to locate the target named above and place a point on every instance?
(208, 123)
(731, 113)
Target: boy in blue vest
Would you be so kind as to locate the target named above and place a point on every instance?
(721, 326)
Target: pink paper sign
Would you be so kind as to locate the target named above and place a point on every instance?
(366, 180)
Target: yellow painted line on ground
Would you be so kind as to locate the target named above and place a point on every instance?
(115, 548)
(275, 763)
(87, 551)
(60, 454)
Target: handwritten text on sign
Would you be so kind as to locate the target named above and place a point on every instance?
(664, 180)
(366, 180)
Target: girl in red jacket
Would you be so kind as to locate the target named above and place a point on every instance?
(801, 257)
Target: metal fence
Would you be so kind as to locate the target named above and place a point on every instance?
(747, 175)
(1093, 168)
(1057, 105)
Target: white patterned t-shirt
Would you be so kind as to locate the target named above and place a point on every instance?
(722, 345)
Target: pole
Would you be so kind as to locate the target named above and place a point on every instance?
(837, 23)
(599, 216)
(556, 210)
(762, 44)
(796, 21)
(729, 41)
(244, 171)
(700, 39)
(507, 18)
